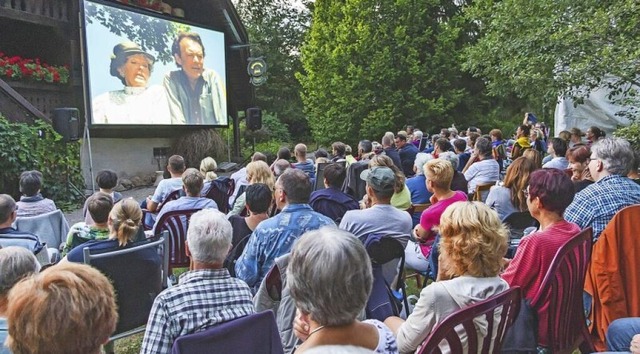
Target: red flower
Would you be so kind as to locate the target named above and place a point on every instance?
(56, 76)
(9, 72)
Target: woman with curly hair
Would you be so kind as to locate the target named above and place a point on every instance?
(402, 196)
(473, 242)
(257, 172)
(509, 197)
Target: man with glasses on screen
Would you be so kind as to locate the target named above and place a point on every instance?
(196, 94)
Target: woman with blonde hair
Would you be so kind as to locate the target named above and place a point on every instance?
(509, 197)
(208, 168)
(473, 242)
(401, 198)
(257, 172)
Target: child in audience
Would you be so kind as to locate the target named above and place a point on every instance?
(99, 206)
(106, 180)
(32, 203)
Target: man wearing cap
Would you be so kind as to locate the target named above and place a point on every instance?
(576, 137)
(274, 237)
(381, 217)
(407, 152)
(137, 102)
(196, 94)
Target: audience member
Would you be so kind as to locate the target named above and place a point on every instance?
(175, 167)
(401, 198)
(576, 137)
(485, 170)
(407, 153)
(339, 151)
(331, 201)
(303, 163)
(534, 156)
(473, 244)
(106, 180)
(381, 217)
(441, 146)
(522, 141)
(498, 147)
(192, 183)
(417, 138)
(348, 155)
(67, 308)
(508, 197)
(31, 202)
(99, 205)
(453, 134)
(10, 236)
(258, 201)
(330, 280)
(417, 184)
(257, 172)
(623, 335)
(472, 137)
(579, 159)
(458, 183)
(279, 166)
(596, 205)
(439, 174)
(633, 171)
(208, 167)
(365, 150)
(557, 149)
(274, 236)
(240, 176)
(16, 263)
(595, 134)
(445, 133)
(536, 138)
(460, 148)
(206, 294)
(321, 153)
(549, 193)
(390, 150)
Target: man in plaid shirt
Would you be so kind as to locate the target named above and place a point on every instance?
(206, 294)
(596, 205)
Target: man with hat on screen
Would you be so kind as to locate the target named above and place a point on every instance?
(137, 102)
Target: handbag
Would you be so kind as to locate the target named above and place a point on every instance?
(522, 336)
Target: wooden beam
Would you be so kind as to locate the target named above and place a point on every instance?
(16, 15)
(13, 94)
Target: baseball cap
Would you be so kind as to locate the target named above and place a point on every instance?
(381, 179)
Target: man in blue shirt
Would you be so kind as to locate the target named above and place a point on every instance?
(407, 153)
(275, 236)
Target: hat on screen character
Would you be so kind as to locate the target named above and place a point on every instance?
(381, 179)
(122, 51)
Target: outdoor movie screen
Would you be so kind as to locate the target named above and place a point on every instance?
(145, 69)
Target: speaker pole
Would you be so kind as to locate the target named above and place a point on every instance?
(87, 138)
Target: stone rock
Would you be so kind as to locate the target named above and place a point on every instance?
(149, 179)
(119, 188)
(126, 183)
(137, 181)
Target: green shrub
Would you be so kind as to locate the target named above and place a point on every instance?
(38, 147)
(631, 133)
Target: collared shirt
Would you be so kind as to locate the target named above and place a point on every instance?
(482, 172)
(596, 205)
(274, 237)
(202, 299)
(206, 104)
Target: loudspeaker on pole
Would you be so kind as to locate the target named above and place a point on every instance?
(254, 118)
(65, 123)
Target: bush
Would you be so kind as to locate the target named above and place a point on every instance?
(197, 145)
(631, 133)
(38, 147)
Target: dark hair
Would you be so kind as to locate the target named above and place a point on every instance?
(335, 174)
(30, 182)
(636, 160)
(553, 187)
(365, 145)
(473, 137)
(597, 132)
(445, 132)
(443, 144)
(284, 153)
(526, 130)
(107, 179)
(99, 206)
(258, 156)
(472, 129)
(339, 147)
(193, 181)
(258, 197)
(175, 47)
(460, 144)
(484, 147)
(296, 186)
(579, 153)
(559, 146)
(176, 162)
(321, 153)
(497, 133)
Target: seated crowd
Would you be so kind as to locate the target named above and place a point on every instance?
(312, 216)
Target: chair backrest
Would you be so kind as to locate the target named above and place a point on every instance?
(171, 196)
(319, 181)
(257, 334)
(51, 228)
(418, 208)
(447, 331)
(382, 303)
(176, 223)
(234, 254)
(562, 287)
(137, 276)
(354, 185)
(518, 222)
(221, 190)
(482, 191)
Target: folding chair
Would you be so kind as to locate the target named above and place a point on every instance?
(256, 334)
(172, 196)
(176, 224)
(138, 275)
(448, 331)
(482, 191)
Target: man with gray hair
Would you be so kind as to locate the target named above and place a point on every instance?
(206, 294)
(274, 237)
(596, 205)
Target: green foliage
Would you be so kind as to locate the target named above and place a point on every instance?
(272, 136)
(276, 29)
(22, 150)
(631, 133)
(540, 49)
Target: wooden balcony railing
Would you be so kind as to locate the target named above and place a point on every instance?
(48, 12)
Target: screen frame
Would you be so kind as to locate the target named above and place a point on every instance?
(163, 129)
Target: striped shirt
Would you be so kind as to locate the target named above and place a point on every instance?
(203, 298)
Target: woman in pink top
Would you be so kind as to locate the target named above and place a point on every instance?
(549, 193)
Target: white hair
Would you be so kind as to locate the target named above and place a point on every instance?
(421, 159)
(616, 155)
(451, 157)
(15, 264)
(209, 236)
